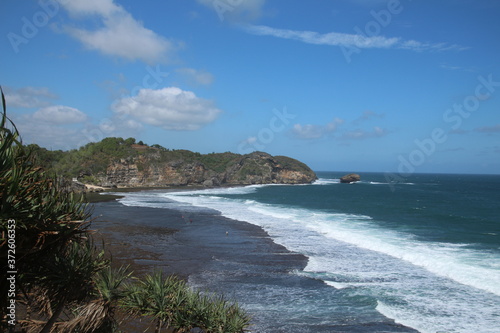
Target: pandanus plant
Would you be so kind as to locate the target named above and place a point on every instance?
(49, 222)
(172, 304)
(98, 315)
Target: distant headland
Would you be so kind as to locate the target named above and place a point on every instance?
(117, 162)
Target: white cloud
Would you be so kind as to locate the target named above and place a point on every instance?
(116, 126)
(49, 135)
(250, 140)
(60, 114)
(334, 124)
(91, 7)
(236, 10)
(414, 45)
(458, 131)
(359, 134)
(309, 131)
(59, 126)
(489, 129)
(65, 133)
(120, 34)
(348, 40)
(197, 76)
(28, 97)
(332, 38)
(170, 108)
(369, 3)
(368, 115)
(333, 130)
(450, 67)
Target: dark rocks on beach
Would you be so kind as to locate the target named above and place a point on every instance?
(350, 178)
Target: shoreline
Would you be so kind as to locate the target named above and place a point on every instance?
(229, 257)
(190, 246)
(135, 242)
(105, 196)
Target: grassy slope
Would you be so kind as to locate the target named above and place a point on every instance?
(92, 159)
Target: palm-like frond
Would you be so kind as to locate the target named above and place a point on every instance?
(92, 317)
(109, 283)
(99, 314)
(171, 303)
(47, 219)
(67, 277)
(70, 273)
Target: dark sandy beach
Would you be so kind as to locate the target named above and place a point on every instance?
(185, 244)
(221, 255)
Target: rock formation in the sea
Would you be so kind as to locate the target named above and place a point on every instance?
(350, 178)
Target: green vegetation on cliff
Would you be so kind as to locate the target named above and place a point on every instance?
(292, 164)
(122, 162)
(90, 159)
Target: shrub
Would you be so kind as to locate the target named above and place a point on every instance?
(49, 223)
(173, 304)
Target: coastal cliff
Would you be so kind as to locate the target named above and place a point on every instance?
(115, 162)
(254, 168)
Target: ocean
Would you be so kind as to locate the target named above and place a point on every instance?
(421, 254)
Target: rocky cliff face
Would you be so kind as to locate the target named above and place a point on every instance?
(255, 168)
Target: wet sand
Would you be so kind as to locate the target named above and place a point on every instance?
(185, 244)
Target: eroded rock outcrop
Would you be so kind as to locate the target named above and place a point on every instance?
(350, 178)
(255, 168)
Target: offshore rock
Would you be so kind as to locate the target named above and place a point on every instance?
(350, 178)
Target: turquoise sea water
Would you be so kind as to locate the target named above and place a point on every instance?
(424, 251)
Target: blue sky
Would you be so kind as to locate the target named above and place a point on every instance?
(356, 85)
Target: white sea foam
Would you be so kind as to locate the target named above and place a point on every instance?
(462, 265)
(423, 317)
(337, 285)
(326, 181)
(413, 280)
(217, 191)
(382, 183)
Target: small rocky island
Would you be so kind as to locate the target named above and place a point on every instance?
(350, 178)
